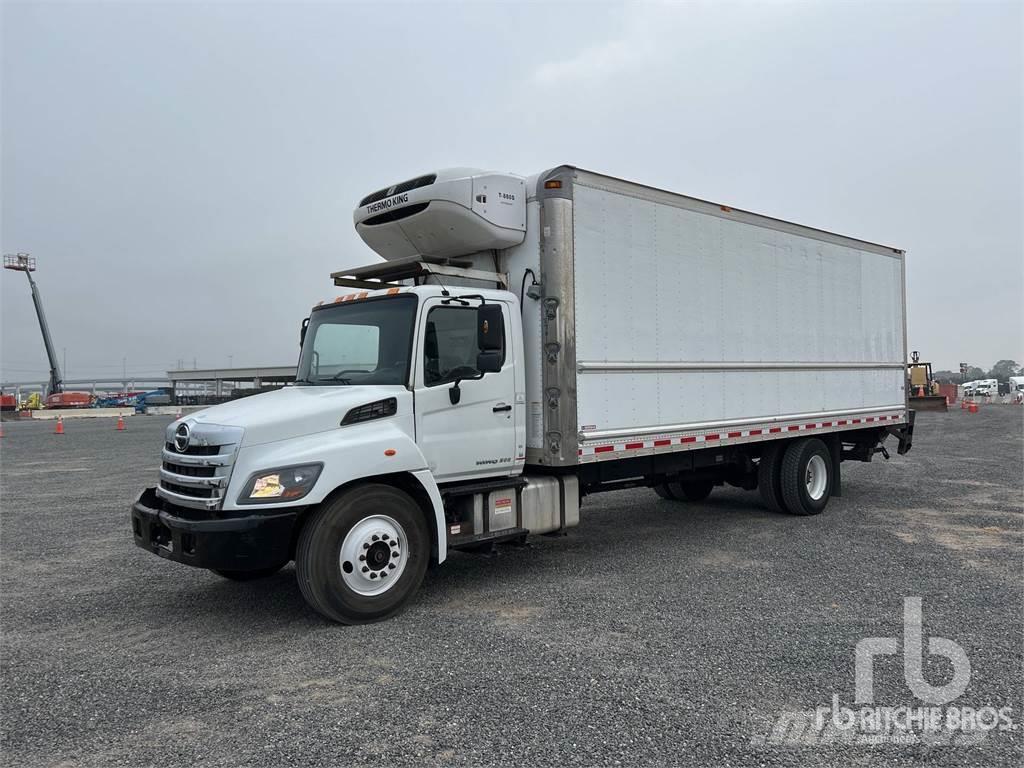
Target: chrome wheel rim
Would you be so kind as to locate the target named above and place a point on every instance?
(373, 555)
(816, 478)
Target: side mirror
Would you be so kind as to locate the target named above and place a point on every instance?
(488, 362)
(490, 328)
(302, 331)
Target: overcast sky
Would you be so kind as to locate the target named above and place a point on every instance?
(185, 173)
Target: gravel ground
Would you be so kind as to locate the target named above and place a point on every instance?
(656, 633)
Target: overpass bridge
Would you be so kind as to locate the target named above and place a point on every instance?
(191, 382)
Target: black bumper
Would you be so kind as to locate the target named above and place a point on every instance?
(225, 543)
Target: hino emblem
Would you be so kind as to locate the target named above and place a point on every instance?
(182, 435)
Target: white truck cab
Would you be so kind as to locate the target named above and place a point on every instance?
(527, 341)
(986, 388)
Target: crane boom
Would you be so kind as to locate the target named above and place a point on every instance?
(22, 262)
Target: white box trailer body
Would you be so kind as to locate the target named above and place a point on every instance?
(674, 323)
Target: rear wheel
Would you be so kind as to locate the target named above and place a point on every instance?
(689, 490)
(769, 479)
(363, 555)
(806, 477)
(662, 490)
(693, 490)
(259, 573)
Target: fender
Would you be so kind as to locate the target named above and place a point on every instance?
(350, 453)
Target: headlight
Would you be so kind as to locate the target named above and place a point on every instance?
(284, 484)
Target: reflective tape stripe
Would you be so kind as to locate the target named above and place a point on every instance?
(675, 442)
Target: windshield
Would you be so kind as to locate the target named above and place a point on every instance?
(359, 342)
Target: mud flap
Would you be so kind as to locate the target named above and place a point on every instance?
(904, 433)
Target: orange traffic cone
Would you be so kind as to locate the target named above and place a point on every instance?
(59, 429)
(973, 407)
(120, 423)
(963, 404)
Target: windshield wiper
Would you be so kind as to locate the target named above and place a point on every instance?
(340, 375)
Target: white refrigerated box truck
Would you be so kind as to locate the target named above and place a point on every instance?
(526, 342)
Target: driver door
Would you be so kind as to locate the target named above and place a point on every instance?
(475, 436)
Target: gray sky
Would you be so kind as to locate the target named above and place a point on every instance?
(185, 173)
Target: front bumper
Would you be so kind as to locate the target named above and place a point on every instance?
(225, 543)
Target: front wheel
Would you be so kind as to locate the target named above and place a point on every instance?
(806, 476)
(363, 555)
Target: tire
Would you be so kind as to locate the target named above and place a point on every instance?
(259, 573)
(769, 476)
(663, 490)
(363, 555)
(807, 477)
(692, 490)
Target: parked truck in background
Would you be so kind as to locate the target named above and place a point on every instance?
(527, 342)
(985, 388)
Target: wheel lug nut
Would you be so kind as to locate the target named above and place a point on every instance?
(391, 566)
(384, 537)
(376, 537)
(373, 575)
(362, 557)
(365, 569)
(394, 543)
(365, 545)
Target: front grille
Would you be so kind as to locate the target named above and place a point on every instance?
(185, 490)
(195, 450)
(189, 471)
(198, 477)
(405, 186)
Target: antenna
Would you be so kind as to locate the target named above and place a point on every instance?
(433, 274)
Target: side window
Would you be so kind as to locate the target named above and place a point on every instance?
(450, 348)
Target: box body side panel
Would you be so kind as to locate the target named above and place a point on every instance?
(686, 320)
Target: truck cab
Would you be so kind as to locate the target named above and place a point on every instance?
(403, 434)
(452, 361)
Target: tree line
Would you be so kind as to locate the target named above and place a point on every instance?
(1002, 371)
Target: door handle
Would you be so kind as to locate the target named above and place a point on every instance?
(500, 408)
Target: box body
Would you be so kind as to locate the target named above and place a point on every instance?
(670, 323)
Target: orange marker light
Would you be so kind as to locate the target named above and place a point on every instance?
(553, 184)
(390, 451)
